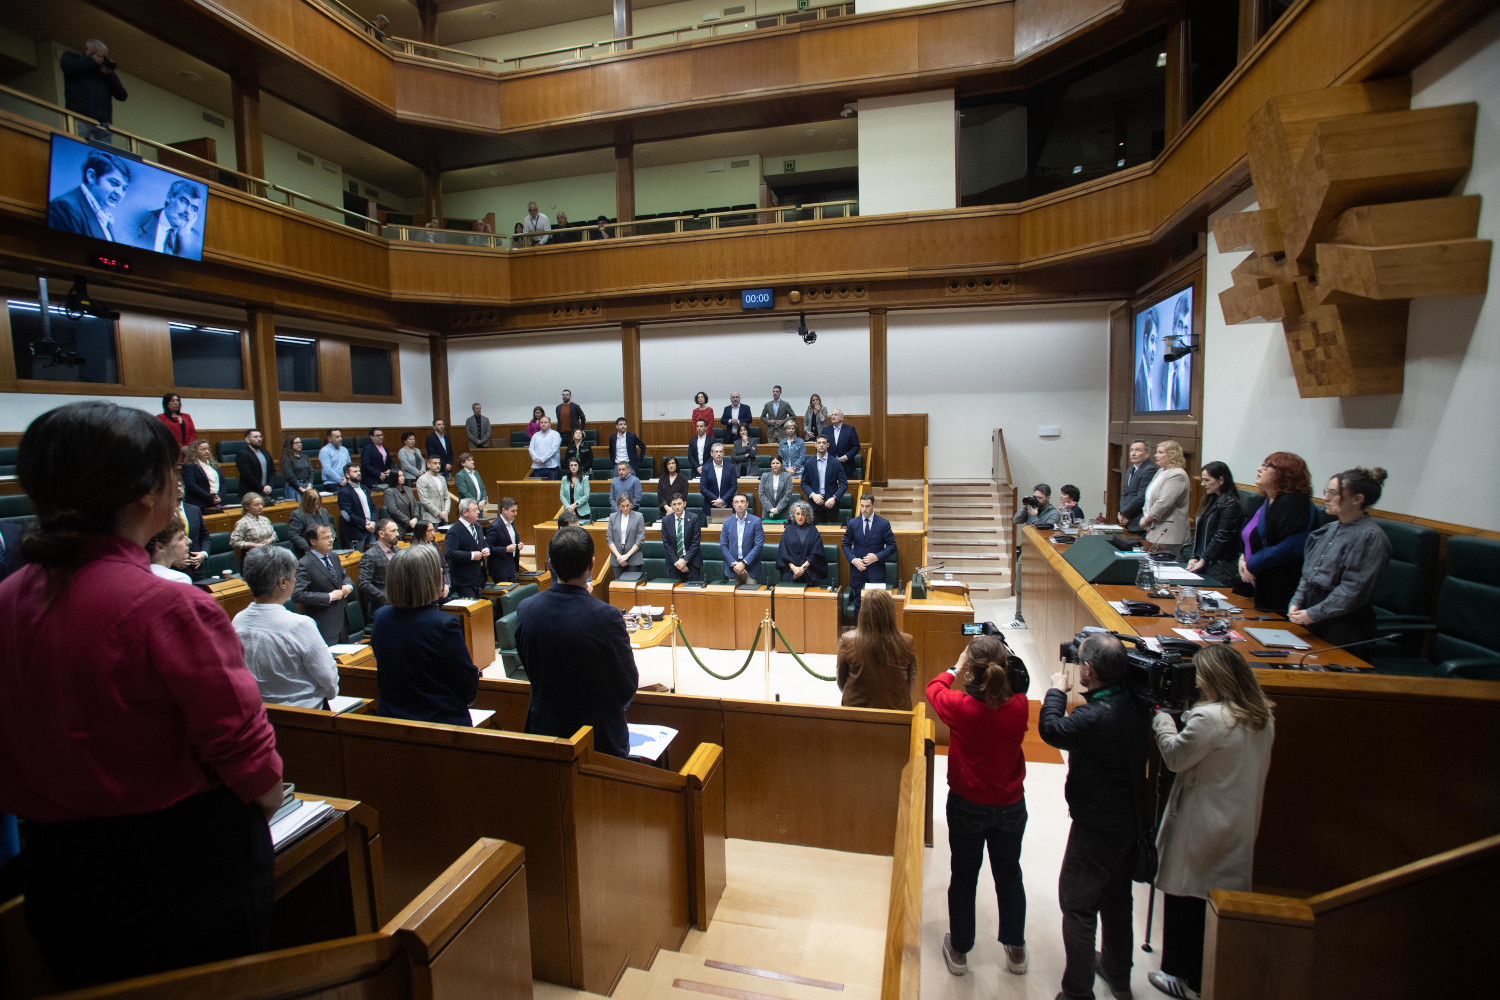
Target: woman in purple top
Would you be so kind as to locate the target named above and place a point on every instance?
(1276, 535)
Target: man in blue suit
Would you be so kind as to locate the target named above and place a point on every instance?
(680, 538)
(735, 413)
(823, 483)
(718, 480)
(576, 651)
(375, 464)
(868, 543)
(356, 511)
(191, 517)
(843, 442)
(740, 541)
(465, 550)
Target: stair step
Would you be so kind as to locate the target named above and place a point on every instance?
(673, 973)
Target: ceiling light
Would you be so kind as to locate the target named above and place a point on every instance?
(190, 76)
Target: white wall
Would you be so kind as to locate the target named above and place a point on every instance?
(414, 410)
(1441, 430)
(871, 6)
(1016, 369)
(750, 356)
(309, 179)
(908, 148)
(19, 409)
(510, 375)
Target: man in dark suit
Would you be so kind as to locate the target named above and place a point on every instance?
(372, 567)
(191, 517)
(741, 539)
(255, 466)
(680, 537)
(504, 542)
(10, 547)
(322, 586)
(375, 463)
(718, 480)
(173, 228)
(823, 482)
(88, 209)
(576, 651)
(570, 416)
(698, 448)
(439, 444)
(1133, 492)
(356, 510)
(843, 442)
(625, 444)
(735, 413)
(868, 543)
(465, 551)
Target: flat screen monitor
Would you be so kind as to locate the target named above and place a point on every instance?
(1163, 386)
(95, 192)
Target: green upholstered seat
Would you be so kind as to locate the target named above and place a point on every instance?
(519, 439)
(512, 598)
(1468, 605)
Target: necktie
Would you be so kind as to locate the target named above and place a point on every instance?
(329, 564)
(867, 525)
(182, 513)
(171, 244)
(681, 542)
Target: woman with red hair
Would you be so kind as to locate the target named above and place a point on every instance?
(1275, 536)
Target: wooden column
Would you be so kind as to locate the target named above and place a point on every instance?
(625, 182)
(263, 388)
(623, 22)
(878, 388)
(1177, 78)
(630, 365)
(427, 10)
(437, 352)
(1252, 26)
(249, 147)
(432, 193)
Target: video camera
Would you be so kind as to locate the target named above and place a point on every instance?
(1167, 679)
(1032, 502)
(1015, 670)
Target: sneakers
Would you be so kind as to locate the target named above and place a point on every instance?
(1171, 985)
(958, 963)
(1018, 623)
(1015, 960)
(1120, 991)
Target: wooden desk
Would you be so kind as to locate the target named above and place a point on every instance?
(750, 607)
(719, 616)
(330, 883)
(660, 633)
(791, 616)
(820, 622)
(232, 594)
(479, 629)
(935, 623)
(622, 594)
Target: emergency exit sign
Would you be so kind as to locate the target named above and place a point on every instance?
(789, 166)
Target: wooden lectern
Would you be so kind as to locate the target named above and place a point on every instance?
(478, 618)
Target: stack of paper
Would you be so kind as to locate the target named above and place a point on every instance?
(1176, 574)
(339, 704)
(296, 824)
(649, 742)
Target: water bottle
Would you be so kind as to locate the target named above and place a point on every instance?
(1187, 606)
(1145, 577)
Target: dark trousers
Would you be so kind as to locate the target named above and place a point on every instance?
(825, 515)
(693, 574)
(972, 828)
(1092, 889)
(108, 899)
(1357, 626)
(1182, 919)
(466, 593)
(545, 474)
(807, 578)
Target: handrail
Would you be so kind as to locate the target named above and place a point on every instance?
(926, 506)
(1001, 459)
(1396, 878)
(901, 977)
(679, 223)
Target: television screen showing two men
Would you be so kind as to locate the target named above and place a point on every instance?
(1163, 386)
(98, 193)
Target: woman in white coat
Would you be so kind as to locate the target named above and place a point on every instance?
(1165, 519)
(1207, 838)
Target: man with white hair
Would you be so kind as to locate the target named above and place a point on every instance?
(536, 225)
(90, 87)
(466, 551)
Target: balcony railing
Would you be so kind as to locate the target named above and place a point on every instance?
(585, 50)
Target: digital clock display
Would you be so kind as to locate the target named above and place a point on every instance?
(756, 298)
(113, 263)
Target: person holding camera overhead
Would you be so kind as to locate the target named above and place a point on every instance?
(90, 87)
(986, 719)
(1207, 838)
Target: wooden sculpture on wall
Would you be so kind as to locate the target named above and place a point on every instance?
(1354, 222)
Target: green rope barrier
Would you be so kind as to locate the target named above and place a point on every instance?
(789, 649)
(743, 667)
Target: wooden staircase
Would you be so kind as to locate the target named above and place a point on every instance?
(969, 532)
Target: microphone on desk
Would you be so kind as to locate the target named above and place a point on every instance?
(1359, 642)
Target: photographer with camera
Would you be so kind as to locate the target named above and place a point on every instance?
(1037, 510)
(1207, 838)
(90, 87)
(1106, 742)
(984, 705)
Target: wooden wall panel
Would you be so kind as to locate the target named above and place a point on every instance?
(143, 345)
(528, 100)
(620, 85)
(966, 37)
(241, 230)
(758, 62)
(426, 92)
(905, 442)
(1039, 23)
(426, 273)
(882, 48)
(317, 37)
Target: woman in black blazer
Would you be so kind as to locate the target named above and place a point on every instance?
(422, 667)
(671, 483)
(802, 547)
(196, 488)
(1216, 540)
(1275, 539)
(309, 514)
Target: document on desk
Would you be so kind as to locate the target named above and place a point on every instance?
(459, 602)
(296, 824)
(344, 648)
(339, 704)
(649, 742)
(1177, 574)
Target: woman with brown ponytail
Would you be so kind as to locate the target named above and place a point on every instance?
(132, 738)
(986, 801)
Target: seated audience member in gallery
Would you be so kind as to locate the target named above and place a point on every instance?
(626, 484)
(800, 556)
(735, 414)
(740, 541)
(400, 503)
(422, 665)
(200, 477)
(701, 410)
(1216, 537)
(1343, 562)
(322, 586)
(569, 416)
(333, 458)
(168, 548)
(296, 468)
(375, 463)
(179, 423)
(465, 549)
(133, 741)
(877, 662)
(309, 514)
(545, 448)
(672, 482)
(477, 428)
(356, 510)
(253, 529)
(1165, 519)
(823, 483)
(843, 442)
(1037, 509)
(573, 492)
(504, 541)
(681, 535)
(793, 450)
(774, 415)
(577, 446)
(255, 466)
(699, 446)
(717, 481)
(441, 445)
(776, 491)
(410, 458)
(577, 652)
(535, 424)
(373, 565)
(284, 651)
(1069, 510)
(432, 492)
(868, 543)
(625, 446)
(744, 453)
(625, 535)
(1133, 491)
(468, 481)
(1275, 537)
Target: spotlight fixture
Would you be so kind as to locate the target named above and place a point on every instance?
(1177, 348)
